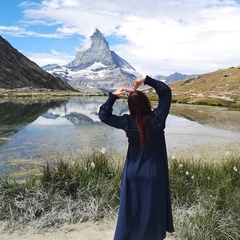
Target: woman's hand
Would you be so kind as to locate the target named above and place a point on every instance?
(138, 82)
(121, 91)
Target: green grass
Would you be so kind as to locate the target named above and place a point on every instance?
(206, 101)
(64, 191)
(205, 196)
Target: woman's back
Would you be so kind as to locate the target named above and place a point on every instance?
(155, 130)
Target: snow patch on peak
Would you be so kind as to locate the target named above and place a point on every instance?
(96, 66)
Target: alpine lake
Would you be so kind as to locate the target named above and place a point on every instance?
(33, 132)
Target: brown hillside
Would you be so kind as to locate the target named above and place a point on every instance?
(221, 88)
(17, 71)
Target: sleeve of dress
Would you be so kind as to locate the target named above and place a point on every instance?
(164, 94)
(106, 116)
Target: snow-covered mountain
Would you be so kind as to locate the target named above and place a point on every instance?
(95, 68)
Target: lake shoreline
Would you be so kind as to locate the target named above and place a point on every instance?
(223, 118)
(218, 117)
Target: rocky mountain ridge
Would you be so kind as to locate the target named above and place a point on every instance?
(17, 71)
(173, 77)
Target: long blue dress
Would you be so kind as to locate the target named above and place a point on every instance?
(145, 211)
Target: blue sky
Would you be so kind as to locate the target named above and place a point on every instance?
(154, 36)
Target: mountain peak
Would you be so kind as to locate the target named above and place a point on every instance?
(97, 39)
(97, 34)
(96, 50)
(96, 66)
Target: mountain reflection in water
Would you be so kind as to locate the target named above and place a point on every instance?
(39, 131)
(47, 130)
(15, 115)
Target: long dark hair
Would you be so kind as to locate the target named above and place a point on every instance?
(140, 108)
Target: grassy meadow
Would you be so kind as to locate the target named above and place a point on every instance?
(218, 88)
(205, 196)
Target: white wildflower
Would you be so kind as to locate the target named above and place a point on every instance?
(208, 178)
(192, 177)
(180, 165)
(93, 165)
(235, 168)
(187, 173)
(103, 150)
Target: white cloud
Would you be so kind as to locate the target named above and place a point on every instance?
(162, 36)
(23, 32)
(54, 57)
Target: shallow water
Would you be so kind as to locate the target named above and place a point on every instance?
(189, 139)
(32, 133)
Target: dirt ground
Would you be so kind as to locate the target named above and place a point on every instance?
(102, 230)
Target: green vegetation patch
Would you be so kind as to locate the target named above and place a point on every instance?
(63, 192)
(206, 101)
(206, 199)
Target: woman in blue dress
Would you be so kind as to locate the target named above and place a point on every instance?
(145, 211)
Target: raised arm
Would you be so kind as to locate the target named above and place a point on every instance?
(105, 112)
(164, 94)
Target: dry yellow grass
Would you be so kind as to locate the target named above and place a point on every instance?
(221, 87)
